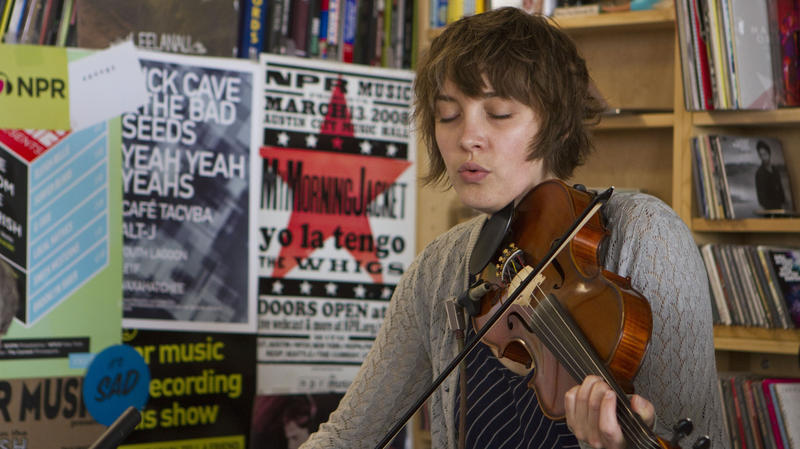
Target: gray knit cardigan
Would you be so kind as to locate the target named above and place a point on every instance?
(648, 242)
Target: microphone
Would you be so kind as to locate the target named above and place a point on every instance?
(116, 433)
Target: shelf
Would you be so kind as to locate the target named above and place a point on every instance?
(661, 18)
(747, 225)
(753, 339)
(786, 117)
(635, 121)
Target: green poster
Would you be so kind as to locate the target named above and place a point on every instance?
(60, 248)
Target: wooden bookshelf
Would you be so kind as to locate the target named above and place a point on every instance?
(628, 20)
(634, 60)
(782, 225)
(757, 340)
(663, 18)
(635, 121)
(785, 117)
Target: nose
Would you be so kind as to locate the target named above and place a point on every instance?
(473, 132)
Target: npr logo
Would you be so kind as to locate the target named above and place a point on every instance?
(32, 87)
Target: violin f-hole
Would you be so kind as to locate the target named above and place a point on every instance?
(560, 270)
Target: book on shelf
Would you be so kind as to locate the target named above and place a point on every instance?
(740, 425)
(193, 27)
(685, 43)
(717, 43)
(5, 13)
(36, 22)
(387, 52)
(438, 13)
(753, 285)
(788, 402)
(785, 32)
(300, 16)
(731, 53)
(762, 414)
(785, 264)
(67, 26)
(724, 188)
(365, 27)
(544, 7)
(755, 80)
(454, 11)
(781, 422)
(741, 177)
(252, 33)
(773, 290)
(702, 56)
(753, 414)
(573, 8)
(313, 31)
(349, 25)
(770, 303)
(754, 183)
(719, 305)
(712, 189)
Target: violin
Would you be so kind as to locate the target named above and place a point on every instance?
(574, 318)
(568, 317)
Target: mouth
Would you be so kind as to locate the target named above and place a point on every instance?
(472, 172)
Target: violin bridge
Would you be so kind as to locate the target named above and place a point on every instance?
(525, 296)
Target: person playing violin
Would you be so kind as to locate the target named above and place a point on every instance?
(503, 103)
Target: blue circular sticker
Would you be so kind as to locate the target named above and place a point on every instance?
(117, 378)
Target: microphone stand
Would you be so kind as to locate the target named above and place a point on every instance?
(590, 210)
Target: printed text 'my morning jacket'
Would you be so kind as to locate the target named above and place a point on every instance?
(290, 189)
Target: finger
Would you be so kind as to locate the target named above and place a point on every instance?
(569, 407)
(608, 424)
(582, 425)
(645, 409)
(595, 402)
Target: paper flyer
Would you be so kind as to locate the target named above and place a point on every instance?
(336, 217)
(201, 389)
(187, 199)
(61, 248)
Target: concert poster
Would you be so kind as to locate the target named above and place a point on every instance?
(187, 201)
(60, 248)
(336, 217)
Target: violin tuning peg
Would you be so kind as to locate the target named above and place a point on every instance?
(683, 427)
(703, 442)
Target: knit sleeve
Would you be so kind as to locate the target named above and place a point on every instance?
(651, 244)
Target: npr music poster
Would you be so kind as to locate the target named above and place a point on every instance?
(336, 217)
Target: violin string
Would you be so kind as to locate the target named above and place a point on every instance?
(574, 366)
(631, 422)
(563, 326)
(576, 370)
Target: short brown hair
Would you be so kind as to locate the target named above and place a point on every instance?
(524, 57)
